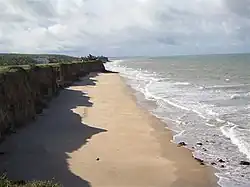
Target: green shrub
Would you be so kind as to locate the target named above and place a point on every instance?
(4, 182)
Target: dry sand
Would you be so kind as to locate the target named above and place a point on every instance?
(94, 134)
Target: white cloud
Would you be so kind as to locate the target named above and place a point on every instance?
(131, 27)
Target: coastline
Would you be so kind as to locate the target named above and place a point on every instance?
(95, 134)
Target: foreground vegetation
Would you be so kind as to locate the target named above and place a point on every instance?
(4, 182)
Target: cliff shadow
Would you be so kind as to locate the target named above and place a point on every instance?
(40, 151)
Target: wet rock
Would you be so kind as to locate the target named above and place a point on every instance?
(222, 166)
(213, 164)
(221, 161)
(204, 149)
(199, 144)
(244, 163)
(181, 144)
(207, 141)
(200, 161)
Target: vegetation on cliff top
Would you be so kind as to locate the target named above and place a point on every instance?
(24, 59)
(91, 57)
(9, 59)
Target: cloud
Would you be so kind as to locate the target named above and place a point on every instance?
(240, 8)
(131, 27)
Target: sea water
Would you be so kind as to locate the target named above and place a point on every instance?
(202, 99)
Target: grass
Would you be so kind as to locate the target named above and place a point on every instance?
(5, 182)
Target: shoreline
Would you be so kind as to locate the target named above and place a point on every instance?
(163, 125)
(162, 129)
(95, 134)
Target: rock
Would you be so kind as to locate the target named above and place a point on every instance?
(221, 161)
(204, 149)
(213, 164)
(2, 153)
(200, 161)
(193, 147)
(207, 141)
(33, 118)
(244, 163)
(181, 144)
(222, 166)
(97, 159)
(199, 144)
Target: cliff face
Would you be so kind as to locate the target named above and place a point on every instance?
(25, 92)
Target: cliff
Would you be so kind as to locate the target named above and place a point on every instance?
(26, 90)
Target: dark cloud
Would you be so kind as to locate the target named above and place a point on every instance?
(42, 8)
(239, 7)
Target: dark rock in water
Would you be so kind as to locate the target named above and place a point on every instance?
(97, 159)
(181, 144)
(244, 163)
(193, 147)
(200, 161)
(222, 166)
(207, 141)
(211, 141)
(213, 164)
(199, 144)
(204, 149)
(221, 161)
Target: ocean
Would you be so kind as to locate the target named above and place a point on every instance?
(204, 100)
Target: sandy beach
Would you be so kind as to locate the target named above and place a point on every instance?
(95, 134)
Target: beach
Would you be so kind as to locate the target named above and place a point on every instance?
(95, 134)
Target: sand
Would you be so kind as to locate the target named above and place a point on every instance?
(95, 134)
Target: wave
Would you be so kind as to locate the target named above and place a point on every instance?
(222, 87)
(240, 96)
(236, 96)
(182, 83)
(237, 137)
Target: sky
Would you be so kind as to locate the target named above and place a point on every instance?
(125, 27)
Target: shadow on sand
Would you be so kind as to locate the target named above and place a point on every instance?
(39, 151)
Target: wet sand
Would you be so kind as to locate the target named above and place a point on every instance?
(95, 134)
